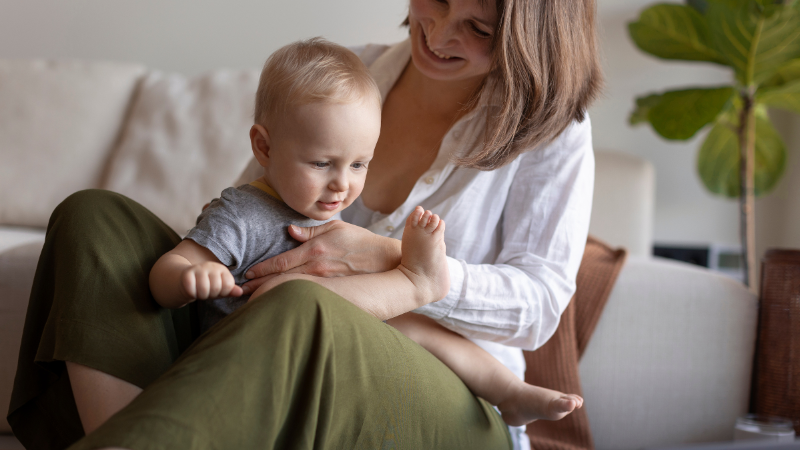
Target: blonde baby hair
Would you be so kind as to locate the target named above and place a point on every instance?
(314, 70)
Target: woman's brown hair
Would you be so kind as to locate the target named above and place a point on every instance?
(545, 73)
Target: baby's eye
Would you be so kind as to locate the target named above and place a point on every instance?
(358, 165)
(320, 165)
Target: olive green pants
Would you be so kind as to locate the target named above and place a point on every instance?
(297, 368)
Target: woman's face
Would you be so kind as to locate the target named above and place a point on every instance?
(451, 39)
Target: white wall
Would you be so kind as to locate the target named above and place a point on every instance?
(195, 36)
(188, 36)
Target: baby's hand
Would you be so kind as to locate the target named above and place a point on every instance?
(207, 281)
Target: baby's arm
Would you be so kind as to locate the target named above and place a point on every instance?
(190, 272)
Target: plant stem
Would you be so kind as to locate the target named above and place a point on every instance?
(747, 228)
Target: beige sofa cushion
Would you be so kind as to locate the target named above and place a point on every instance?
(58, 124)
(186, 140)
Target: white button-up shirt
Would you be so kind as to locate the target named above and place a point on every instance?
(515, 235)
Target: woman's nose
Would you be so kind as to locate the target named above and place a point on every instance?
(442, 30)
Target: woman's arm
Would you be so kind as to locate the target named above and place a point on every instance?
(334, 249)
(518, 298)
(421, 278)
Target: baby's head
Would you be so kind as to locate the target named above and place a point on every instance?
(317, 120)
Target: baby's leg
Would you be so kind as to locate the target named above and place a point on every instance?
(519, 402)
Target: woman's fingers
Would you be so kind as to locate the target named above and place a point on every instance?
(333, 249)
(279, 263)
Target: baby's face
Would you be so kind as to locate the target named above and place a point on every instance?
(319, 155)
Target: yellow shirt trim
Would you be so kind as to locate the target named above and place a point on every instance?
(265, 187)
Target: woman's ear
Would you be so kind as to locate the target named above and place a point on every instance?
(260, 143)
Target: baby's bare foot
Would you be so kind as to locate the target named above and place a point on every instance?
(424, 261)
(535, 403)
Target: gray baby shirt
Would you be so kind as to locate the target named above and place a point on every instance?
(242, 228)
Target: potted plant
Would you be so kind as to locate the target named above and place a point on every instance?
(742, 155)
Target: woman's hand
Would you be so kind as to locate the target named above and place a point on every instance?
(334, 249)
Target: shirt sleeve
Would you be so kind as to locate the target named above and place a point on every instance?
(220, 229)
(518, 300)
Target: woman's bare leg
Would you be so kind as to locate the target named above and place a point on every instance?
(98, 395)
(518, 402)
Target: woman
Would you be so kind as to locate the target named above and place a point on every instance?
(482, 123)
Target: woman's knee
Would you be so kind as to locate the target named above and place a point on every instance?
(84, 207)
(297, 302)
(297, 297)
(87, 200)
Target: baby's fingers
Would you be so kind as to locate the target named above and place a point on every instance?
(203, 286)
(215, 284)
(236, 291)
(229, 287)
(189, 284)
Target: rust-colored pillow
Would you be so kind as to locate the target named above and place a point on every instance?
(555, 364)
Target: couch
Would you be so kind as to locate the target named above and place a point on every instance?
(670, 359)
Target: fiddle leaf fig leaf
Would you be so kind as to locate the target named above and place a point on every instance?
(786, 96)
(719, 156)
(757, 38)
(681, 114)
(643, 107)
(718, 159)
(673, 31)
(770, 154)
(785, 74)
(699, 5)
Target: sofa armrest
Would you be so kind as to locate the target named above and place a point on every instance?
(624, 202)
(17, 268)
(670, 360)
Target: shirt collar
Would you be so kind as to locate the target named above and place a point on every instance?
(266, 188)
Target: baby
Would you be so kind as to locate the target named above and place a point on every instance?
(317, 121)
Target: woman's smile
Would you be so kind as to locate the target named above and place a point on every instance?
(435, 53)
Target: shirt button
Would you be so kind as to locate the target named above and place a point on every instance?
(390, 228)
(429, 180)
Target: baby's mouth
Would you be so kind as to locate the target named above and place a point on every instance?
(330, 205)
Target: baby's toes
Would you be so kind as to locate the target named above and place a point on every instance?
(430, 227)
(440, 228)
(426, 218)
(563, 405)
(413, 218)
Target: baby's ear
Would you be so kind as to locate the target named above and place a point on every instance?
(260, 143)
